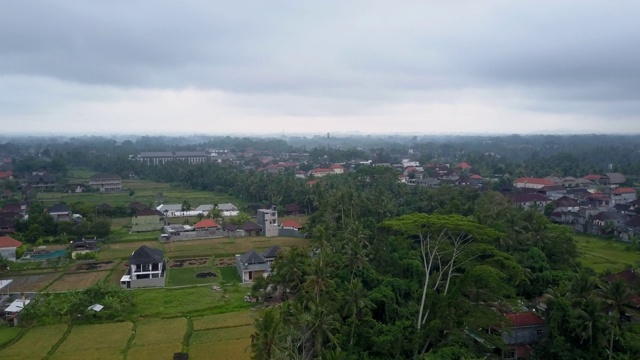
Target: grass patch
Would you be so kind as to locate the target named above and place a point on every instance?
(191, 301)
(123, 235)
(77, 281)
(35, 344)
(123, 250)
(161, 351)
(230, 274)
(602, 255)
(157, 332)
(145, 192)
(230, 343)
(218, 321)
(187, 276)
(101, 341)
(8, 334)
(225, 246)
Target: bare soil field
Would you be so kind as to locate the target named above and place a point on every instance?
(77, 281)
(94, 266)
(30, 283)
(178, 263)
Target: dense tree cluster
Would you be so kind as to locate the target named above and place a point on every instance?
(408, 275)
(40, 225)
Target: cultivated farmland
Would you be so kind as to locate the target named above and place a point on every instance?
(102, 341)
(35, 344)
(602, 255)
(77, 281)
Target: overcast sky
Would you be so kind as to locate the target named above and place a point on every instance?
(267, 67)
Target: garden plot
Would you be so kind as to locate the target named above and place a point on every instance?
(226, 261)
(31, 283)
(35, 344)
(179, 263)
(77, 281)
(94, 266)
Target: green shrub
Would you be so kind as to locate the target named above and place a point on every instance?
(72, 306)
(86, 256)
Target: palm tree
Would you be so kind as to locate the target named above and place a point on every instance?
(617, 295)
(355, 303)
(265, 341)
(589, 322)
(323, 324)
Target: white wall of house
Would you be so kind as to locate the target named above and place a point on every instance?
(527, 185)
(248, 276)
(8, 253)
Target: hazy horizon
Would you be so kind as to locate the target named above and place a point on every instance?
(308, 68)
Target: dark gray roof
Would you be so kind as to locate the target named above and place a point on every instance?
(59, 208)
(428, 181)
(45, 178)
(149, 212)
(526, 198)
(566, 202)
(252, 257)
(104, 176)
(146, 255)
(229, 227)
(615, 178)
(271, 252)
(250, 226)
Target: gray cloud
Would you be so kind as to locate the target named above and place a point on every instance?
(568, 57)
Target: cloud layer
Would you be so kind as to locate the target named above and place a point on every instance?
(316, 66)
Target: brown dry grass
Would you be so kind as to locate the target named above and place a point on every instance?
(77, 281)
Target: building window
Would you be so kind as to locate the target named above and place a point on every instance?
(539, 332)
(509, 354)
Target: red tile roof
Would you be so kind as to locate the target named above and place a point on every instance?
(624, 190)
(290, 223)
(321, 170)
(536, 181)
(464, 165)
(592, 177)
(337, 166)
(206, 224)
(524, 319)
(6, 242)
(475, 176)
(5, 174)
